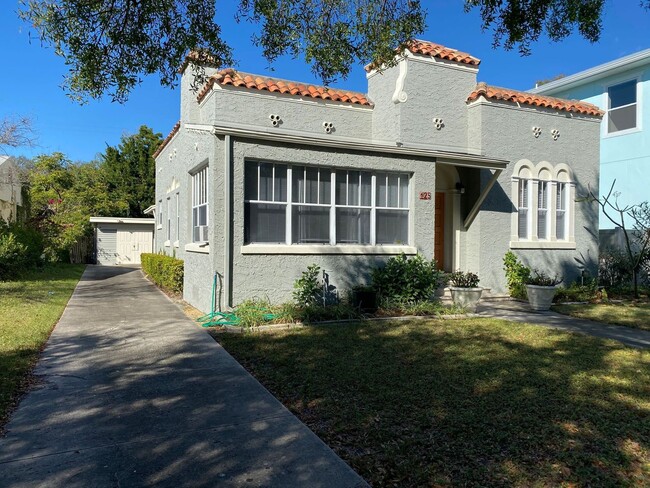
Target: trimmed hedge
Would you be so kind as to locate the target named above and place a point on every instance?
(164, 271)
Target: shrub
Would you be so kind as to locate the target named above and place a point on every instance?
(517, 274)
(542, 279)
(463, 279)
(308, 290)
(164, 271)
(20, 249)
(577, 292)
(407, 280)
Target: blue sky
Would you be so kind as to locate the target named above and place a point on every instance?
(31, 84)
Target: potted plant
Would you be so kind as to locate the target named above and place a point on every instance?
(541, 289)
(465, 291)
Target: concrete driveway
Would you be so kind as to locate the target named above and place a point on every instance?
(132, 393)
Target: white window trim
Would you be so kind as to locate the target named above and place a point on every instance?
(202, 175)
(639, 108)
(288, 247)
(178, 220)
(533, 242)
(169, 220)
(159, 225)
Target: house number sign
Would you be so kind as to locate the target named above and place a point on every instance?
(425, 195)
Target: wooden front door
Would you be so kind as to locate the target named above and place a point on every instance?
(439, 230)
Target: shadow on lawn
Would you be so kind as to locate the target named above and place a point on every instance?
(473, 402)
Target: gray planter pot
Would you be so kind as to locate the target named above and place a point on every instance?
(540, 298)
(466, 297)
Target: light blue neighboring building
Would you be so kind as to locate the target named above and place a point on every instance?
(621, 88)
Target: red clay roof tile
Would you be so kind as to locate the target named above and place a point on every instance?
(235, 78)
(426, 48)
(171, 135)
(508, 95)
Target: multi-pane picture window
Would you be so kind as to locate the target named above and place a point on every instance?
(622, 107)
(296, 204)
(561, 211)
(522, 209)
(200, 205)
(542, 210)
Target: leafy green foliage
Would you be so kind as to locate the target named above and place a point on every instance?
(308, 289)
(578, 292)
(407, 280)
(109, 45)
(463, 279)
(521, 22)
(131, 170)
(20, 249)
(517, 275)
(540, 278)
(164, 271)
(63, 197)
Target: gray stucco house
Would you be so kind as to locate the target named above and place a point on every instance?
(262, 177)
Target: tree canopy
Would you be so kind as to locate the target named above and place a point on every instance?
(131, 170)
(110, 44)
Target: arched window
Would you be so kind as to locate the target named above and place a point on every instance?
(544, 196)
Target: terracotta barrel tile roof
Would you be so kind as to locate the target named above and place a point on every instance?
(171, 135)
(426, 48)
(231, 77)
(508, 95)
(433, 50)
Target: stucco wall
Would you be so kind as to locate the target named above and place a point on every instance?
(272, 276)
(186, 152)
(507, 134)
(242, 107)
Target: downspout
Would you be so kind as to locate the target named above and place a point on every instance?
(227, 265)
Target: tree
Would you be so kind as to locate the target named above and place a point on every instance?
(63, 198)
(16, 132)
(634, 222)
(131, 170)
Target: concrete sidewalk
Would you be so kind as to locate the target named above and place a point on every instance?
(521, 312)
(132, 393)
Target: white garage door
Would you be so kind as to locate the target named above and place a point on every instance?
(131, 242)
(106, 245)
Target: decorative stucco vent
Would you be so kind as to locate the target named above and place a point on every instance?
(537, 131)
(555, 133)
(275, 120)
(438, 123)
(329, 127)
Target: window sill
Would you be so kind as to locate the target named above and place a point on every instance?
(198, 248)
(167, 243)
(176, 244)
(159, 227)
(325, 249)
(623, 132)
(542, 245)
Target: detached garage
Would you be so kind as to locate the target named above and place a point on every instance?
(121, 240)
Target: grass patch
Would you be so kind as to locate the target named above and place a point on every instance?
(629, 313)
(474, 402)
(29, 309)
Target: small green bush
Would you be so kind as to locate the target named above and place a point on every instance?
(164, 271)
(517, 275)
(539, 278)
(407, 280)
(577, 292)
(20, 249)
(308, 290)
(463, 279)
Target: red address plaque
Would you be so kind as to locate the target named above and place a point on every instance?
(425, 195)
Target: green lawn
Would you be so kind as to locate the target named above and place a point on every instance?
(630, 314)
(29, 309)
(476, 402)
